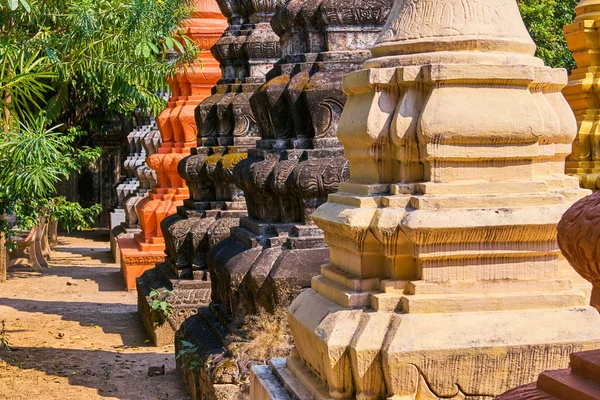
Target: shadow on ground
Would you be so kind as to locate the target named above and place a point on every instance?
(108, 278)
(116, 318)
(111, 374)
(93, 254)
(96, 235)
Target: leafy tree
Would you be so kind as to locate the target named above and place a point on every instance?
(83, 61)
(545, 20)
(67, 69)
(34, 159)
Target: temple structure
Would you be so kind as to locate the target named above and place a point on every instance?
(275, 251)
(178, 131)
(582, 39)
(444, 279)
(226, 128)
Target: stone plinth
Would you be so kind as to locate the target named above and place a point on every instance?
(177, 127)
(582, 38)
(444, 278)
(274, 252)
(226, 127)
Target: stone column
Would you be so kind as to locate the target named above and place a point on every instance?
(126, 186)
(140, 179)
(246, 51)
(275, 251)
(582, 39)
(178, 130)
(443, 279)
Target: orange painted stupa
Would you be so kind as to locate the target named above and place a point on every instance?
(177, 127)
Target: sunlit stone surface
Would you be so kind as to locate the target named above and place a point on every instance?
(443, 279)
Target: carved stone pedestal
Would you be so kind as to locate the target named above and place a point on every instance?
(178, 130)
(443, 280)
(143, 141)
(275, 251)
(226, 129)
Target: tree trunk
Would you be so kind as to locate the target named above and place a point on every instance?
(3, 258)
(53, 232)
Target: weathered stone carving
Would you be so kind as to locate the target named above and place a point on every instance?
(247, 49)
(298, 161)
(443, 279)
(582, 38)
(277, 249)
(578, 232)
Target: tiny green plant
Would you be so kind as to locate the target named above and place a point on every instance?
(160, 305)
(4, 344)
(107, 370)
(188, 355)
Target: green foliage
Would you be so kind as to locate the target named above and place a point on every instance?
(72, 215)
(68, 68)
(188, 355)
(84, 61)
(545, 20)
(160, 306)
(34, 159)
(24, 78)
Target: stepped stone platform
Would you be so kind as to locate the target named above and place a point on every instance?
(578, 237)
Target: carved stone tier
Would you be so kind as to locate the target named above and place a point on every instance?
(444, 277)
(178, 130)
(276, 250)
(247, 49)
(582, 37)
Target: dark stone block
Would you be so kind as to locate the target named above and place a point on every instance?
(297, 161)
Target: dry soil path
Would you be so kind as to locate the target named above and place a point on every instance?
(75, 332)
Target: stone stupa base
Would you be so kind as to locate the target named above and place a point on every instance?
(263, 267)
(135, 261)
(188, 295)
(217, 376)
(196, 229)
(461, 355)
(580, 381)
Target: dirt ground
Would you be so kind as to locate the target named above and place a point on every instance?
(75, 332)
